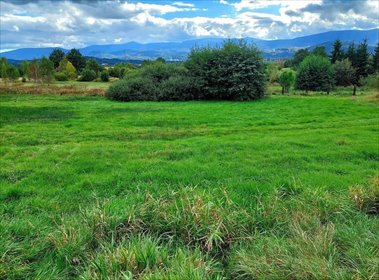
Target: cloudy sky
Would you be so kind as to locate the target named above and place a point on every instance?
(78, 23)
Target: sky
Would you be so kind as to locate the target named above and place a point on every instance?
(79, 23)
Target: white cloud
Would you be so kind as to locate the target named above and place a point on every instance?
(78, 24)
(182, 4)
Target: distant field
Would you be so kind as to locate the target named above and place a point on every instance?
(281, 188)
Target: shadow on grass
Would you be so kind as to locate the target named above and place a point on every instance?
(20, 114)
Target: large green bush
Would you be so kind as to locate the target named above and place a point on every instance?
(104, 76)
(154, 82)
(235, 71)
(88, 75)
(60, 76)
(315, 73)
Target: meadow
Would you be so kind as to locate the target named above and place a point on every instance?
(281, 188)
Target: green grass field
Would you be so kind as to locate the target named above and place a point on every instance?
(281, 188)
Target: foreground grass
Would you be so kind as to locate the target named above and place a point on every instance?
(282, 188)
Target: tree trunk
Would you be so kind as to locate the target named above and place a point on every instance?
(282, 90)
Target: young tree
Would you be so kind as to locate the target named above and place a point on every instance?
(362, 60)
(12, 73)
(104, 76)
(92, 64)
(88, 75)
(46, 69)
(161, 60)
(56, 56)
(286, 79)
(376, 58)
(299, 56)
(344, 73)
(351, 54)
(3, 67)
(337, 53)
(34, 70)
(25, 66)
(70, 71)
(320, 51)
(315, 73)
(76, 58)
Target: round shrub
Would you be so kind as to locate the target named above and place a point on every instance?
(155, 81)
(235, 71)
(178, 88)
(88, 75)
(133, 89)
(61, 76)
(104, 76)
(315, 73)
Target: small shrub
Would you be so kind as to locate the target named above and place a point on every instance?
(133, 89)
(371, 81)
(366, 198)
(104, 76)
(88, 75)
(60, 76)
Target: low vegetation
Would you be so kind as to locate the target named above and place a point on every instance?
(286, 187)
(282, 188)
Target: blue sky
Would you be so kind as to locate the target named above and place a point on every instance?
(78, 23)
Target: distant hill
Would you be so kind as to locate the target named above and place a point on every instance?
(172, 51)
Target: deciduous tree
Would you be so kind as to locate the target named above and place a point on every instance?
(286, 79)
(315, 73)
(76, 58)
(46, 70)
(344, 73)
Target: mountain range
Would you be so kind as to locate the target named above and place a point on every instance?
(176, 51)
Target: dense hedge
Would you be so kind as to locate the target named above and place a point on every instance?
(88, 75)
(153, 82)
(315, 73)
(234, 71)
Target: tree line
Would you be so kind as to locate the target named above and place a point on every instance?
(61, 67)
(318, 71)
(232, 71)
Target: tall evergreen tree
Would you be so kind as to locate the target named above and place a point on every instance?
(351, 55)
(337, 53)
(376, 58)
(362, 60)
(320, 51)
(299, 57)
